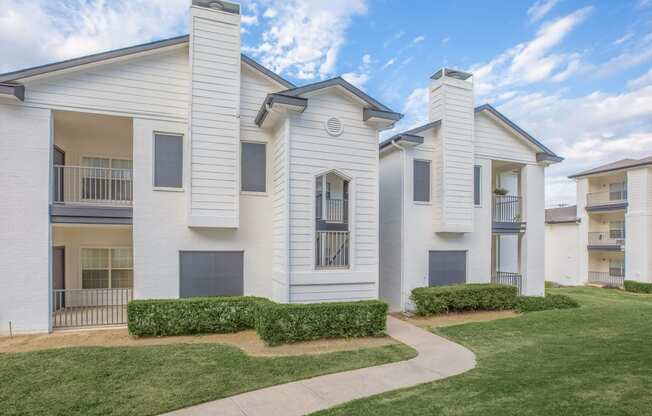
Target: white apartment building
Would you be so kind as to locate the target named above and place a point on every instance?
(612, 234)
(181, 168)
(461, 198)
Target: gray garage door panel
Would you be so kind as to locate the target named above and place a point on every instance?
(211, 273)
(446, 267)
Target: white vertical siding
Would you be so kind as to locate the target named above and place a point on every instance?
(214, 122)
(451, 101)
(25, 145)
(355, 154)
(149, 85)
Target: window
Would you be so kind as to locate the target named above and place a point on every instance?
(616, 267)
(476, 184)
(332, 221)
(253, 167)
(104, 268)
(106, 179)
(168, 161)
(617, 191)
(421, 181)
(616, 229)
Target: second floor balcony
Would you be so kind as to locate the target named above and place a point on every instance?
(613, 240)
(92, 186)
(613, 199)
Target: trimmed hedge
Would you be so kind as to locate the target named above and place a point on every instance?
(463, 297)
(163, 317)
(638, 287)
(287, 323)
(544, 303)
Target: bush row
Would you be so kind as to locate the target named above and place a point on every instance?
(463, 297)
(275, 323)
(283, 323)
(638, 287)
(164, 317)
(544, 303)
(483, 297)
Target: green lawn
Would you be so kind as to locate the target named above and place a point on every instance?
(150, 380)
(595, 360)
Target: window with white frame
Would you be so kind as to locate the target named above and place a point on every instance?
(105, 268)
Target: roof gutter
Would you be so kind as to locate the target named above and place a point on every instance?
(13, 90)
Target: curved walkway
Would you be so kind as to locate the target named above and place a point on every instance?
(438, 358)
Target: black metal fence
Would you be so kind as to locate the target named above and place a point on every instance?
(90, 307)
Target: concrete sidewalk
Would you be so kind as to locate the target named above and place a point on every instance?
(438, 358)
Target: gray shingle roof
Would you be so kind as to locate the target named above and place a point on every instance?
(561, 215)
(617, 165)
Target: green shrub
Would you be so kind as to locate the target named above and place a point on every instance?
(638, 287)
(550, 285)
(465, 297)
(164, 317)
(543, 303)
(287, 323)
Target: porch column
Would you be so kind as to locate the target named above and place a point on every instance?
(533, 240)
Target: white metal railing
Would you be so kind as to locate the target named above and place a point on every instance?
(507, 208)
(508, 278)
(335, 210)
(332, 249)
(606, 198)
(614, 278)
(91, 185)
(90, 307)
(607, 238)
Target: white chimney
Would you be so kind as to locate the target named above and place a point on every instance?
(214, 119)
(451, 102)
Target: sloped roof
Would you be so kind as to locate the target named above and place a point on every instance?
(561, 215)
(410, 135)
(340, 82)
(118, 53)
(617, 165)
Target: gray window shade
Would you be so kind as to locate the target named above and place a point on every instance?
(253, 167)
(168, 161)
(476, 185)
(421, 181)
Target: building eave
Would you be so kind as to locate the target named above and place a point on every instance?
(15, 91)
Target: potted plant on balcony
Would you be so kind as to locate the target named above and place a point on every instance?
(500, 191)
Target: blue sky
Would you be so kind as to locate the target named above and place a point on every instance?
(576, 74)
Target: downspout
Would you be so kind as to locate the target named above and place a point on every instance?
(403, 232)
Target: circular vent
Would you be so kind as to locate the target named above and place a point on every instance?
(334, 126)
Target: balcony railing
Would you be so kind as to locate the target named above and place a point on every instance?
(335, 209)
(332, 249)
(507, 208)
(92, 186)
(613, 238)
(613, 278)
(508, 278)
(90, 307)
(606, 198)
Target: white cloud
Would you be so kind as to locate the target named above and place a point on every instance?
(66, 29)
(356, 79)
(533, 61)
(540, 8)
(634, 54)
(445, 41)
(249, 20)
(624, 38)
(642, 81)
(366, 59)
(389, 63)
(304, 38)
(418, 39)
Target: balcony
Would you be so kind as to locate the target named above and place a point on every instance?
(613, 240)
(507, 214)
(332, 249)
(607, 200)
(612, 278)
(335, 211)
(84, 194)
